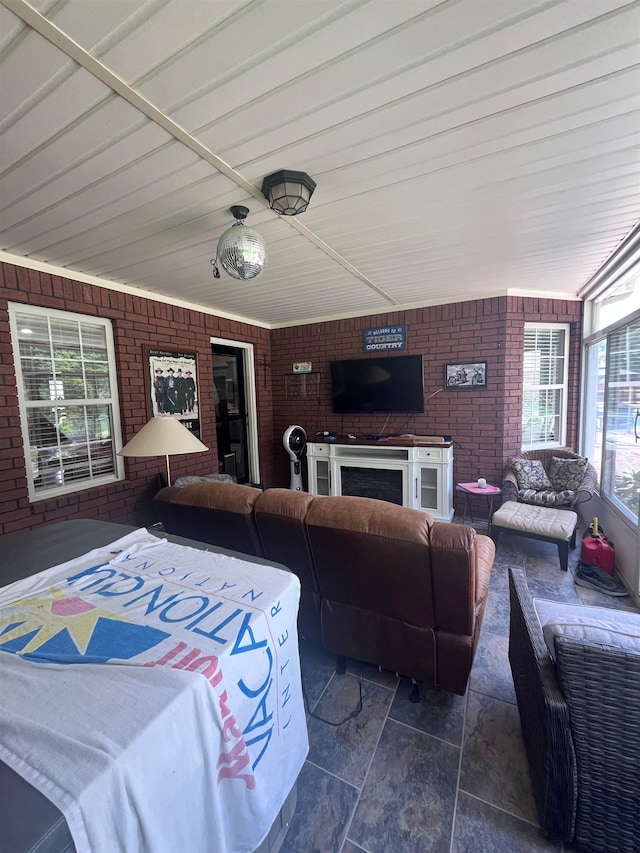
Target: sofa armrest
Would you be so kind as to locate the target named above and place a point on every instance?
(587, 486)
(461, 562)
(544, 716)
(601, 686)
(509, 487)
(167, 494)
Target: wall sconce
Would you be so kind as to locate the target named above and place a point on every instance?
(288, 193)
(241, 251)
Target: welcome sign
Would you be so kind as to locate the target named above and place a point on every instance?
(385, 338)
(207, 624)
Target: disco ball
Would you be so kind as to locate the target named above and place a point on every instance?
(242, 252)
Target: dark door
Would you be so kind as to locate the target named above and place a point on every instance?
(231, 411)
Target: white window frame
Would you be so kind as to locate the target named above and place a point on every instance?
(36, 493)
(560, 439)
(590, 403)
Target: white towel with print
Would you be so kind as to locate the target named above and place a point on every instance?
(152, 692)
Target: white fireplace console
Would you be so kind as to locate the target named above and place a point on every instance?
(415, 476)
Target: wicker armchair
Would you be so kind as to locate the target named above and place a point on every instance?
(584, 493)
(580, 721)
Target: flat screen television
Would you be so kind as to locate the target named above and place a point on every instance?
(380, 384)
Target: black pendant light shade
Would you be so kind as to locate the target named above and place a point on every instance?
(287, 192)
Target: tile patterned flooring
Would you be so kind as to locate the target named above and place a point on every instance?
(448, 774)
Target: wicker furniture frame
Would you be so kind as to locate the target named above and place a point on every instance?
(581, 726)
(545, 455)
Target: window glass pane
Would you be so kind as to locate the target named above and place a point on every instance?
(93, 340)
(35, 356)
(96, 362)
(98, 383)
(594, 409)
(65, 336)
(621, 476)
(617, 302)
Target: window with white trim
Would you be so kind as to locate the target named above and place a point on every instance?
(545, 385)
(611, 415)
(67, 392)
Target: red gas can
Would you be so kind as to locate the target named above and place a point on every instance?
(596, 550)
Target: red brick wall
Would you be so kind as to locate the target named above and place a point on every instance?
(137, 322)
(485, 425)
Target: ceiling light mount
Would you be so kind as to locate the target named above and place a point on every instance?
(241, 251)
(287, 192)
(240, 212)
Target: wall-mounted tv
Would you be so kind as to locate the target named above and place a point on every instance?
(379, 384)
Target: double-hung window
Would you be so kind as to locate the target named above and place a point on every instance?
(67, 391)
(544, 385)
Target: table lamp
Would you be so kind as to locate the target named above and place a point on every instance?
(162, 436)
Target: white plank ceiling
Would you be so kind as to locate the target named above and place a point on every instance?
(462, 149)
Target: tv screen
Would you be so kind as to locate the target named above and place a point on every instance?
(380, 384)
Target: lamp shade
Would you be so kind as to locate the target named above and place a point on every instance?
(162, 436)
(287, 192)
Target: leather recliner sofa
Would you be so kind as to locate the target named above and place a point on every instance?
(380, 583)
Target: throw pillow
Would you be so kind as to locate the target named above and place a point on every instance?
(546, 497)
(530, 474)
(567, 473)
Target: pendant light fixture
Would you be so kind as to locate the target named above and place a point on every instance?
(287, 192)
(241, 251)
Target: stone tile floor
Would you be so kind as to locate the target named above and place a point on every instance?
(448, 774)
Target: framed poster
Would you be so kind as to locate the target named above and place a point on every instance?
(171, 380)
(466, 375)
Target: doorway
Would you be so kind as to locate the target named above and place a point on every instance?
(235, 404)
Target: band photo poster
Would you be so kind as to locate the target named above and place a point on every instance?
(172, 384)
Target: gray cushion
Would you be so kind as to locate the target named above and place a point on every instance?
(609, 628)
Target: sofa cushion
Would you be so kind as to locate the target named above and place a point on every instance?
(608, 628)
(530, 474)
(567, 473)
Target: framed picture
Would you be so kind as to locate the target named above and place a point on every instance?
(466, 375)
(171, 380)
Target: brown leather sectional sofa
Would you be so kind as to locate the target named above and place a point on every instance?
(380, 583)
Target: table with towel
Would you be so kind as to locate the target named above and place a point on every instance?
(152, 692)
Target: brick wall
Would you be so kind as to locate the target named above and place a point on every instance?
(484, 424)
(137, 322)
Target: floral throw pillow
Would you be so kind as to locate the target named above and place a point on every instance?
(567, 473)
(530, 474)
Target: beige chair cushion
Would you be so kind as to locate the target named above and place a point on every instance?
(537, 520)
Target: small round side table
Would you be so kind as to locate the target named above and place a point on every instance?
(489, 492)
